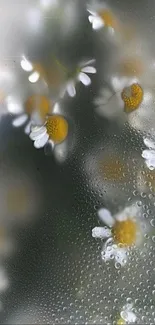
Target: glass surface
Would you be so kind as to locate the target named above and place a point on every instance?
(52, 269)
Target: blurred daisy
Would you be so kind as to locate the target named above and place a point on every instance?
(35, 109)
(126, 97)
(121, 233)
(52, 74)
(127, 315)
(149, 153)
(79, 74)
(54, 131)
(102, 17)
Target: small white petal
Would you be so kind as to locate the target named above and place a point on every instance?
(56, 108)
(121, 256)
(89, 69)
(84, 79)
(91, 18)
(101, 232)
(149, 143)
(106, 217)
(150, 164)
(40, 142)
(26, 65)
(34, 77)
(107, 253)
(97, 23)
(148, 154)
(128, 316)
(20, 120)
(92, 12)
(71, 89)
(37, 133)
(28, 128)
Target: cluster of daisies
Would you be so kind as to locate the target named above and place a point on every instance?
(41, 115)
(127, 92)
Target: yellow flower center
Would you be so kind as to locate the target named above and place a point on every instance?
(132, 97)
(124, 232)
(39, 104)
(131, 67)
(113, 169)
(57, 128)
(108, 18)
(121, 321)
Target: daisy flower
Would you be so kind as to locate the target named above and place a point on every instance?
(35, 108)
(121, 233)
(149, 153)
(127, 315)
(102, 17)
(125, 97)
(54, 131)
(79, 74)
(52, 74)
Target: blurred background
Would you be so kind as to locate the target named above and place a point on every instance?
(51, 269)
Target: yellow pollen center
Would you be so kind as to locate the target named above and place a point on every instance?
(108, 18)
(132, 97)
(39, 104)
(124, 232)
(121, 321)
(113, 169)
(57, 128)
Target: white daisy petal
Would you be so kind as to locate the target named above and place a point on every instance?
(121, 256)
(26, 65)
(93, 13)
(91, 18)
(20, 120)
(106, 217)
(71, 89)
(34, 77)
(89, 69)
(148, 154)
(129, 212)
(149, 143)
(128, 316)
(107, 253)
(101, 232)
(28, 128)
(41, 141)
(84, 79)
(97, 23)
(37, 133)
(56, 108)
(150, 163)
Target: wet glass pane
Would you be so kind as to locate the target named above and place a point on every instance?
(77, 153)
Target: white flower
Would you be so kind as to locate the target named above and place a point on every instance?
(95, 19)
(54, 131)
(34, 110)
(80, 74)
(127, 315)
(149, 154)
(123, 232)
(101, 16)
